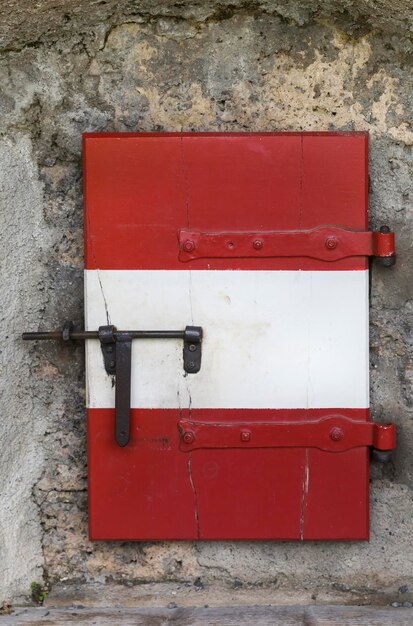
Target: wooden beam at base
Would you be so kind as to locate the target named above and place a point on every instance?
(217, 616)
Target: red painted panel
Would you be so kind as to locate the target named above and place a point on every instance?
(152, 490)
(134, 200)
(337, 495)
(140, 189)
(247, 494)
(335, 175)
(142, 490)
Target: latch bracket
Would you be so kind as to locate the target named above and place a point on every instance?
(116, 348)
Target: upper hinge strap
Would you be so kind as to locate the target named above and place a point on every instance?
(325, 243)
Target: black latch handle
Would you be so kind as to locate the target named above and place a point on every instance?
(116, 348)
(123, 390)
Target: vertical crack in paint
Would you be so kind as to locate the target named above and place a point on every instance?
(185, 377)
(196, 508)
(304, 494)
(105, 303)
(190, 399)
(178, 395)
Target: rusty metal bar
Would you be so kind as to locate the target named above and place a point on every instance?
(94, 334)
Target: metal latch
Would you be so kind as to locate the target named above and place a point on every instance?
(116, 348)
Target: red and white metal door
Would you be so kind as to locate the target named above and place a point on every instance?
(261, 240)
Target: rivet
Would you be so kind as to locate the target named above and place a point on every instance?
(336, 434)
(189, 245)
(188, 437)
(331, 243)
(192, 347)
(245, 435)
(257, 244)
(190, 365)
(112, 364)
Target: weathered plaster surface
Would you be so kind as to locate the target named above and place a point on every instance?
(73, 66)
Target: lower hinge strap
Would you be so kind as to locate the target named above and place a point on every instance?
(335, 433)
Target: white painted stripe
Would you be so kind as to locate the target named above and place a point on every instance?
(272, 339)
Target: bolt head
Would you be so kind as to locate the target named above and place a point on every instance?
(192, 347)
(257, 244)
(112, 364)
(245, 435)
(189, 245)
(336, 434)
(331, 243)
(188, 437)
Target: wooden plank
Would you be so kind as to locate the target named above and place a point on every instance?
(357, 616)
(239, 616)
(218, 616)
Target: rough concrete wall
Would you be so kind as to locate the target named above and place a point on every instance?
(68, 67)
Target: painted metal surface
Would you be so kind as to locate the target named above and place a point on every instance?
(271, 339)
(325, 243)
(285, 339)
(334, 433)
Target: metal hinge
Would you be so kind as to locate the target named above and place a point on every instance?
(334, 433)
(325, 243)
(116, 348)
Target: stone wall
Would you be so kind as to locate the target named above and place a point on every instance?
(75, 66)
